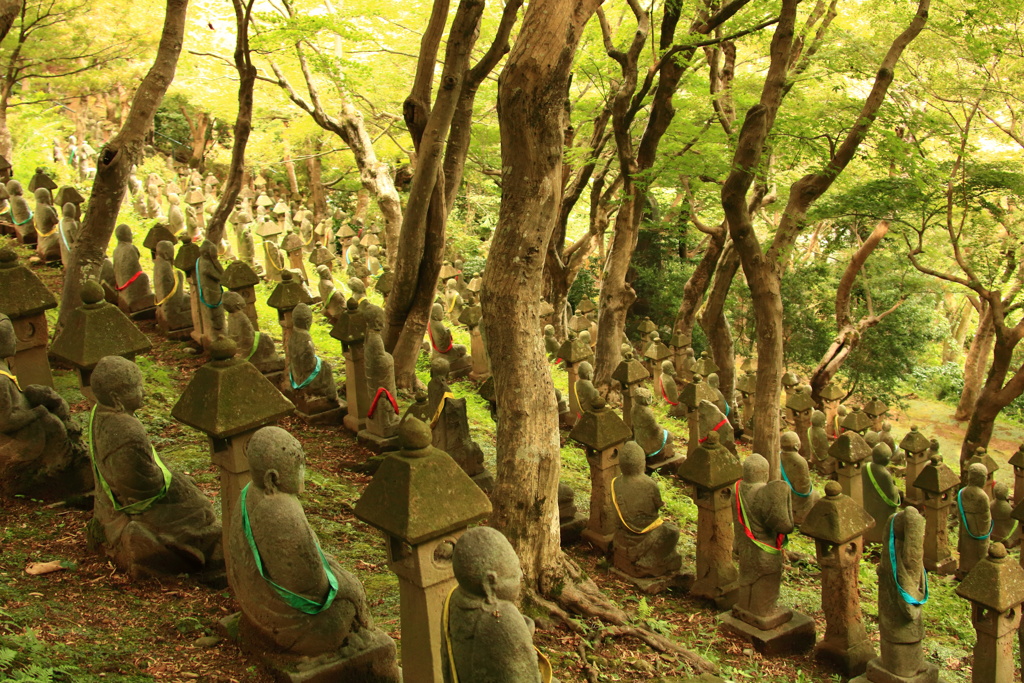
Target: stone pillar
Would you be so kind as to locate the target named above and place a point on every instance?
(420, 535)
(24, 298)
(655, 353)
(938, 484)
(850, 451)
(799, 406)
(572, 353)
(995, 588)
(1017, 463)
(629, 374)
(876, 410)
(713, 471)
(691, 396)
(601, 433)
(350, 330)
(678, 345)
(915, 445)
(836, 523)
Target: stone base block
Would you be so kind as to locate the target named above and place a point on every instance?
(375, 442)
(461, 367)
(876, 674)
(182, 334)
(848, 659)
(724, 597)
(666, 465)
(333, 416)
(655, 585)
(791, 637)
(353, 424)
(143, 314)
(602, 542)
(570, 530)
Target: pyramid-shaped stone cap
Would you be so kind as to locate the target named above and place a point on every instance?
(486, 390)
(195, 196)
(420, 493)
(915, 442)
(575, 351)
(245, 192)
(97, 329)
(836, 518)
(985, 459)
(749, 365)
(680, 341)
(936, 477)
(800, 400)
(229, 396)
(856, 421)
(351, 327)
(585, 306)
(876, 407)
(546, 309)
(269, 229)
(747, 384)
(448, 271)
(68, 195)
(188, 254)
(22, 293)
(705, 366)
(1017, 459)
(477, 284)
(630, 371)
(696, 391)
(471, 316)
(40, 179)
(239, 274)
(657, 352)
(579, 322)
(346, 232)
(711, 466)
(831, 392)
(600, 428)
(996, 582)
(850, 448)
(647, 326)
(158, 233)
(288, 293)
(789, 379)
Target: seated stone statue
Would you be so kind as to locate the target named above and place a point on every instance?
(373, 263)
(820, 460)
(133, 290)
(21, 214)
(720, 402)
(975, 520)
(46, 223)
(670, 390)
(449, 426)
(294, 598)
(358, 289)
(570, 520)
(797, 475)
(881, 495)
(149, 520)
(645, 544)
(551, 345)
(310, 383)
(441, 343)
(655, 440)
(484, 636)
(380, 376)
(333, 301)
(711, 419)
(254, 346)
(173, 308)
(453, 302)
(1005, 529)
(586, 392)
(41, 454)
(356, 268)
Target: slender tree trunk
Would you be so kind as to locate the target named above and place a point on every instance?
(314, 168)
(992, 398)
(199, 126)
(363, 207)
(976, 363)
(698, 282)
(243, 121)
(289, 165)
(117, 157)
(953, 347)
(6, 142)
(716, 327)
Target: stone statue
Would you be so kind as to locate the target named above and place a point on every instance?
(720, 402)
(373, 260)
(295, 599)
(358, 289)
(570, 520)
(441, 343)
(1005, 529)
(485, 638)
(449, 426)
(551, 345)
(645, 544)
(133, 290)
(380, 372)
(254, 346)
(881, 496)
(175, 218)
(21, 214)
(68, 230)
(670, 390)
(711, 419)
(797, 476)
(975, 520)
(41, 454)
(311, 380)
(586, 392)
(209, 272)
(818, 436)
(453, 303)
(899, 459)
(46, 224)
(334, 303)
(655, 440)
(149, 520)
(174, 311)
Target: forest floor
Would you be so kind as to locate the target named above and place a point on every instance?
(89, 622)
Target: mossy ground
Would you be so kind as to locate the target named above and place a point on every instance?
(90, 623)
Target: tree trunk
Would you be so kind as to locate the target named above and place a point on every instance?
(698, 282)
(992, 398)
(289, 165)
(531, 96)
(9, 11)
(6, 142)
(716, 327)
(243, 122)
(316, 183)
(974, 366)
(118, 156)
(363, 207)
(200, 128)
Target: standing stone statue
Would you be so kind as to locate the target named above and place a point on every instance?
(885, 436)
(449, 426)
(881, 496)
(41, 455)
(254, 346)
(975, 520)
(1005, 529)
(149, 520)
(655, 440)
(133, 291)
(380, 377)
(484, 636)
(21, 214)
(333, 301)
(586, 392)
(175, 218)
(551, 344)
(68, 231)
(310, 383)
(209, 272)
(441, 343)
(46, 224)
(670, 389)
(820, 460)
(645, 544)
(174, 310)
(797, 476)
(296, 600)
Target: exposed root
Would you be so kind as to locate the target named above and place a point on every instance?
(555, 611)
(589, 670)
(582, 596)
(661, 644)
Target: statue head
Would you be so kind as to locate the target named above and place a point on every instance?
(233, 301)
(123, 233)
(70, 210)
(585, 337)
(173, 199)
(302, 317)
(374, 316)
(486, 566)
(14, 188)
(437, 312)
(549, 330)
(277, 462)
(713, 380)
(790, 441)
(165, 250)
(632, 459)
(977, 474)
(886, 427)
(817, 419)
(439, 368)
(208, 250)
(881, 454)
(585, 370)
(1001, 492)
(43, 196)
(324, 272)
(117, 383)
(642, 396)
(755, 469)
(356, 286)
(8, 339)
(668, 368)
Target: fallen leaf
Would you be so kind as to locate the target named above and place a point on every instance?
(37, 568)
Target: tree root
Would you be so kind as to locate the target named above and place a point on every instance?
(661, 644)
(588, 669)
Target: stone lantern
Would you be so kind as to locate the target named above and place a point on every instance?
(67, 194)
(836, 523)
(690, 397)
(629, 374)
(572, 353)
(799, 406)
(747, 386)
(645, 329)
(857, 422)
(1017, 463)
(704, 366)
(288, 294)
(655, 353)
(713, 470)
(157, 234)
(471, 317)
(402, 501)
(25, 299)
(789, 382)
(350, 330)
(995, 588)
(185, 261)
(876, 410)
(830, 396)
(239, 277)
(545, 312)
(915, 445)
(96, 329)
(850, 451)
(601, 433)
(982, 456)
(938, 484)
(228, 399)
(678, 343)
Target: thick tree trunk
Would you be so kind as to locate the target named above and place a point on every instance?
(117, 157)
(716, 327)
(530, 107)
(993, 396)
(698, 282)
(199, 127)
(316, 183)
(975, 364)
(6, 142)
(9, 11)
(243, 122)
